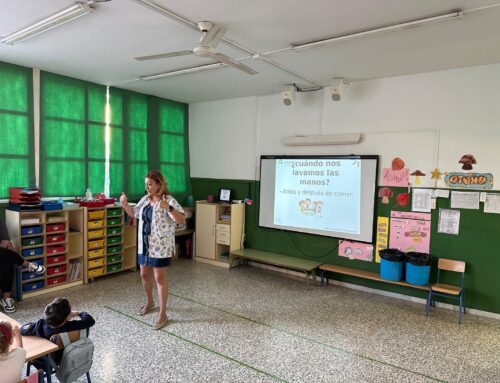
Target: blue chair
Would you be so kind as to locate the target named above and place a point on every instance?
(446, 290)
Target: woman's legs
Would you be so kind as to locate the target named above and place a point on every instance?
(162, 286)
(8, 255)
(147, 283)
(6, 278)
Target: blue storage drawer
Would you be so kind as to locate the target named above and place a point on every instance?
(28, 230)
(32, 252)
(33, 286)
(27, 276)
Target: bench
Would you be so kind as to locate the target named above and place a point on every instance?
(363, 274)
(298, 264)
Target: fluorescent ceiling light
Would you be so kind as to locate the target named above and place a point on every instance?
(182, 71)
(409, 24)
(68, 14)
(333, 139)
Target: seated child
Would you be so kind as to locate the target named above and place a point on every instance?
(12, 354)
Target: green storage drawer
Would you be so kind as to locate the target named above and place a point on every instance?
(112, 240)
(115, 267)
(114, 230)
(114, 212)
(114, 258)
(115, 221)
(114, 249)
(32, 241)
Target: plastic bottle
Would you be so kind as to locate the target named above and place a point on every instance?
(88, 194)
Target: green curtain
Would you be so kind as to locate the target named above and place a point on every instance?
(17, 158)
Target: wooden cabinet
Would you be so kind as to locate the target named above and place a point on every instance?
(110, 242)
(53, 238)
(219, 230)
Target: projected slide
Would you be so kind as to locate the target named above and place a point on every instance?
(318, 194)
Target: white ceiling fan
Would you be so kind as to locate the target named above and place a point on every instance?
(210, 38)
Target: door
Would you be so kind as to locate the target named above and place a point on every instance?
(206, 215)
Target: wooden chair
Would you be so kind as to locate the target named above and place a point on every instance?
(446, 290)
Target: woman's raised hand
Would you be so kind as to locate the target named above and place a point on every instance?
(123, 199)
(164, 202)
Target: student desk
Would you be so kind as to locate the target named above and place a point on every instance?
(305, 265)
(35, 347)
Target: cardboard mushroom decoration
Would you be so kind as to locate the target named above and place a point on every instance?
(417, 174)
(385, 194)
(467, 161)
(397, 164)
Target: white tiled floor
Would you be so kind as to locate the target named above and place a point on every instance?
(251, 325)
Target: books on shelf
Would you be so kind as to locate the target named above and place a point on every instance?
(75, 271)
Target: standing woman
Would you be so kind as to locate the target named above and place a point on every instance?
(157, 212)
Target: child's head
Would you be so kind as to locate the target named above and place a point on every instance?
(5, 336)
(57, 312)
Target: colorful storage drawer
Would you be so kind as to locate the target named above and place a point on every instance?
(55, 249)
(96, 253)
(56, 280)
(95, 224)
(30, 230)
(114, 258)
(114, 212)
(32, 252)
(95, 233)
(55, 238)
(56, 259)
(95, 244)
(96, 214)
(56, 270)
(115, 267)
(95, 272)
(114, 249)
(114, 230)
(55, 227)
(114, 221)
(26, 276)
(33, 286)
(32, 241)
(96, 262)
(112, 240)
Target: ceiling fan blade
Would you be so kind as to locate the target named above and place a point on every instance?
(213, 36)
(164, 55)
(229, 61)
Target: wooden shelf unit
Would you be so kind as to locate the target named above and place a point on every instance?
(110, 242)
(53, 238)
(220, 229)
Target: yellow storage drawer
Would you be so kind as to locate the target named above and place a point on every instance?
(96, 243)
(96, 253)
(96, 262)
(95, 224)
(96, 214)
(95, 233)
(96, 272)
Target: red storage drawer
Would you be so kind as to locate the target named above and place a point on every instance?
(56, 259)
(55, 227)
(56, 280)
(55, 249)
(56, 270)
(55, 238)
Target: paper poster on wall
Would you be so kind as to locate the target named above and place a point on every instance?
(356, 250)
(410, 231)
(492, 203)
(449, 221)
(393, 177)
(464, 200)
(382, 236)
(421, 200)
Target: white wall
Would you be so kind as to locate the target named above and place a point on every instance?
(429, 120)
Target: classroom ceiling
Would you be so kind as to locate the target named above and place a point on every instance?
(101, 46)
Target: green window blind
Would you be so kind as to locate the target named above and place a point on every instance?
(17, 159)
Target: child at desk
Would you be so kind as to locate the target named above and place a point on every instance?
(12, 354)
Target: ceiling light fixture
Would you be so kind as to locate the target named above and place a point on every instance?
(332, 139)
(409, 24)
(68, 14)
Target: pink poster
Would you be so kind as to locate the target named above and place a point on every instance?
(396, 177)
(410, 231)
(356, 250)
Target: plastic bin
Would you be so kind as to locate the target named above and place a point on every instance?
(55, 227)
(391, 264)
(114, 212)
(112, 240)
(56, 280)
(31, 241)
(32, 252)
(114, 230)
(418, 268)
(30, 230)
(33, 286)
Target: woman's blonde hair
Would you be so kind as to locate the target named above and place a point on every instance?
(5, 336)
(158, 178)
